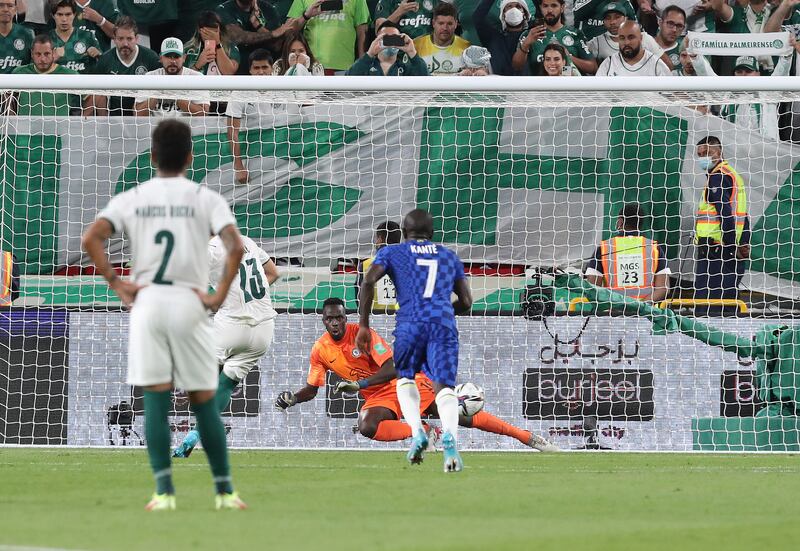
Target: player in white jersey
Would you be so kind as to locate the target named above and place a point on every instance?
(632, 59)
(244, 326)
(168, 221)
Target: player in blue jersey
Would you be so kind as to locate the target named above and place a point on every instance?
(426, 338)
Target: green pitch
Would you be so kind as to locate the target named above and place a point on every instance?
(82, 499)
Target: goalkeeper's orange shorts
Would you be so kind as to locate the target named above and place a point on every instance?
(386, 396)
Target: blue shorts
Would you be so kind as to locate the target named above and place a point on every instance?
(427, 347)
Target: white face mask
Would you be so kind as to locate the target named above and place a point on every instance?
(513, 17)
(705, 163)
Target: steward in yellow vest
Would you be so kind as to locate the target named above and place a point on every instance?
(385, 296)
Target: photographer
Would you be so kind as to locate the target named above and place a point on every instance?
(390, 54)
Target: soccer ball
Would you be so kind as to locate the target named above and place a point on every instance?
(470, 399)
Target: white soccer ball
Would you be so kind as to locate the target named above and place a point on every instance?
(470, 399)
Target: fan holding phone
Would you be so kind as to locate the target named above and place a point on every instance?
(209, 50)
(384, 55)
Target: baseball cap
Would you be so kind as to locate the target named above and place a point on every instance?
(172, 45)
(746, 62)
(613, 6)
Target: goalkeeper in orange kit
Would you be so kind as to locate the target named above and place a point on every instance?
(374, 376)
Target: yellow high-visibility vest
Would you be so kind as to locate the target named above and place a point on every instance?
(385, 297)
(709, 225)
(629, 264)
(6, 277)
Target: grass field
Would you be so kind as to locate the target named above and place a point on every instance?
(92, 499)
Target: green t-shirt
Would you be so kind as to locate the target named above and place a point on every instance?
(570, 38)
(466, 10)
(193, 51)
(738, 23)
(105, 8)
(282, 7)
(75, 50)
(110, 63)
(589, 15)
(230, 14)
(149, 12)
(674, 53)
(45, 104)
(413, 23)
(332, 35)
(15, 49)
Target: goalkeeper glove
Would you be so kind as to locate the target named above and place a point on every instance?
(286, 399)
(346, 386)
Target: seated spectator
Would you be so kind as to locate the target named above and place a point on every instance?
(126, 58)
(383, 60)
(673, 24)
(607, 44)
(15, 40)
(514, 16)
(333, 35)
(157, 19)
(759, 117)
(45, 104)
(297, 58)
(531, 46)
(476, 62)
(630, 263)
(260, 65)
(75, 48)
(209, 51)
(252, 24)
(172, 60)
(441, 50)
(97, 17)
(746, 17)
(555, 62)
(589, 16)
(632, 59)
(414, 19)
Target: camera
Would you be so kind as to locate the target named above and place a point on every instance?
(537, 299)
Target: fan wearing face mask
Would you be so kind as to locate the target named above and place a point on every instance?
(514, 18)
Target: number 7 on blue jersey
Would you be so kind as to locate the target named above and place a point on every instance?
(430, 283)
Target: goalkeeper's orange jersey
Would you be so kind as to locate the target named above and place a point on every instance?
(345, 359)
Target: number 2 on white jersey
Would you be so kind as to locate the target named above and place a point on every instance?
(430, 283)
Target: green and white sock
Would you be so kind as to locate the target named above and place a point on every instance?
(156, 430)
(212, 435)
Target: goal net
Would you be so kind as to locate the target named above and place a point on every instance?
(519, 174)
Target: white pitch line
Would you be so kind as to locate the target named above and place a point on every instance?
(23, 548)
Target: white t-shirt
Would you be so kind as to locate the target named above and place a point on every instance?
(166, 106)
(249, 110)
(604, 46)
(168, 222)
(648, 66)
(247, 301)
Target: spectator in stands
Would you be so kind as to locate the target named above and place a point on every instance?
(514, 18)
(700, 15)
(413, 18)
(297, 58)
(333, 35)
(788, 13)
(172, 60)
(607, 44)
(126, 58)
(260, 63)
(97, 17)
(531, 46)
(157, 19)
(630, 263)
(670, 33)
(555, 62)
(476, 61)
(723, 226)
(589, 16)
(749, 16)
(383, 60)
(15, 40)
(441, 50)
(75, 48)
(45, 104)
(632, 59)
(685, 68)
(252, 24)
(209, 51)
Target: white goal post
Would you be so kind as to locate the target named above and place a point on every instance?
(518, 172)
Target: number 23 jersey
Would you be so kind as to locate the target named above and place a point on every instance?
(168, 222)
(248, 300)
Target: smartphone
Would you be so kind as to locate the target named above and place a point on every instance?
(393, 40)
(566, 71)
(332, 5)
(538, 22)
(210, 45)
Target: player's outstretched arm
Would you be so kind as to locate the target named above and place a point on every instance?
(287, 398)
(94, 243)
(386, 373)
(364, 337)
(234, 248)
(463, 303)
